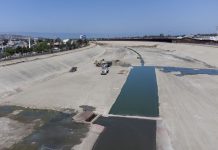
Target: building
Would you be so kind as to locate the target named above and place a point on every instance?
(207, 37)
(82, 37)
(66, 40)
(214, 38)
(21, 44)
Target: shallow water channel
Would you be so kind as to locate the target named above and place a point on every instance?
(139, 95)
(126, 134)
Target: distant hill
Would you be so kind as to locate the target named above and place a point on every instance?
(8, 36)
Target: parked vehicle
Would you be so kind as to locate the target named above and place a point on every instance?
(105, 70)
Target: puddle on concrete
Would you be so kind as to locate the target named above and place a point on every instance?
(87, 108)
(57, 129)
(139, 95)
(59, 133)
(30, 115)
(126, 134)
(6, 110)
(188, 71)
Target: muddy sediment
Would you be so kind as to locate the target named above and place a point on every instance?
(50, 129)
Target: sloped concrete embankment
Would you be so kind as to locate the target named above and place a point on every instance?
(13, 78)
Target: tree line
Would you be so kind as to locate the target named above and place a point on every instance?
(45, 46)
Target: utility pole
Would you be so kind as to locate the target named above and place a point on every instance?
(217, 30)
(29, 43)
(2, 47)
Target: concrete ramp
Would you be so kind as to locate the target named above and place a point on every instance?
(85, 117)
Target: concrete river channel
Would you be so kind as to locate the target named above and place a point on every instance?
(128, 127)
(56, 130)
(138, 97)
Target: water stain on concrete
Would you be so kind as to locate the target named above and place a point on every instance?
(6, 110)
(87, 108)
(188, 71)
(52, 129)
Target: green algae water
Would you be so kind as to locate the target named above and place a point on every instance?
(139, 95)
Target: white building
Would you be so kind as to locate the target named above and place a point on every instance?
(214, 38)
(82, 37)
(65, 41)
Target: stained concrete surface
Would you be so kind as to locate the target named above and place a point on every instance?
(12, 131)
(33, 129)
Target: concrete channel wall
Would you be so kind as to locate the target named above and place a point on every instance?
(13, 78)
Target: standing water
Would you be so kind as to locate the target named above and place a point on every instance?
(126, 134)
(51, 130)
(139, 95)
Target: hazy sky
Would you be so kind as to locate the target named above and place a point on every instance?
(109, 16)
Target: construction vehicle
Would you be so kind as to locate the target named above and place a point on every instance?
(102, 62)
